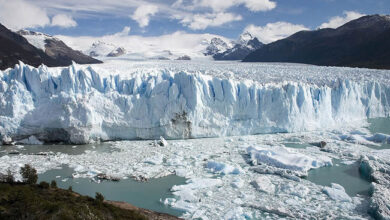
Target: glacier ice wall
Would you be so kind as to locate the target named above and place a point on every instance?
(78, 104)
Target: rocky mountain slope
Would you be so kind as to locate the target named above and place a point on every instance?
(363, 42)
(35, 49)
(15, 47)
(56, 49)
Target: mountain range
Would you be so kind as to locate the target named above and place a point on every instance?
(364, 42)
(235, 50)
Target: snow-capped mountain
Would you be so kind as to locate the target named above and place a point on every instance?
(100, 48)
(245, 44)
(105, 49)
(35, 49)
(248, 40)
(217, 45)
(55, 48)
(117, 52)
(244, 38)
(169, 46)
(14, 48)
(37, 39)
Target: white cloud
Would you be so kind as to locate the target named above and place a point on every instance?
(197, 19)
(274, 31)
(63, 20)
(195, 14)
(18, 14)
(202, 21)
(223, 5)
(124, 32)
(143, 13)
(338, 21)
(260, 5)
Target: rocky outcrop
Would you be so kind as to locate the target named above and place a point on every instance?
(185, 57)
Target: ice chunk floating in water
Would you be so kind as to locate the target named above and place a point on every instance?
(81, 104)
(282, 157)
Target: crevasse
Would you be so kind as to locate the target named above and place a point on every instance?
(79, 105)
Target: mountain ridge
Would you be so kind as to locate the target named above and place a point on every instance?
(57, 49)
(233, 50)
(15, 48)
(362, 42)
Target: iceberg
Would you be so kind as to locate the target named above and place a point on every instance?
(218, 167)
(281, 157)
(264, 184)
(337, 192)
(81, 104)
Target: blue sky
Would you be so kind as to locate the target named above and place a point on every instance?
(228, 18)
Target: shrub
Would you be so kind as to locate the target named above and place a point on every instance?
(53, 184)
(29, 174)
(44, 185)
(99, 197)
(9, 178)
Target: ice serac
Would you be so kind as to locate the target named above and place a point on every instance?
(81, 104)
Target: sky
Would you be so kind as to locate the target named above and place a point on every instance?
(269, 20)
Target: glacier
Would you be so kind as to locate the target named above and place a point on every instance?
(178, 100)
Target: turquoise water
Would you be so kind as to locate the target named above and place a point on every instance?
(347, 176)
(67, 149)
(297, 145)
(379, 125)
(142, 194)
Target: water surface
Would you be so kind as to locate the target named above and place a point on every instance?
(60, 148)
(141, 194)
(297, 145)
(379, 125)
(347, 176)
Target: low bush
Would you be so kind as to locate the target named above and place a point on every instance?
(44, 185)
(53, 184)
(29, 174)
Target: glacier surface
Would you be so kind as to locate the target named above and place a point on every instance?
(123, 100)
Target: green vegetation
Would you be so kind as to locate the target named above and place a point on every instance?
(44, 185)
(29, 174)
(9, 178)
(28, 200)
(53, 184)
(99, 197)
(25, 201)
